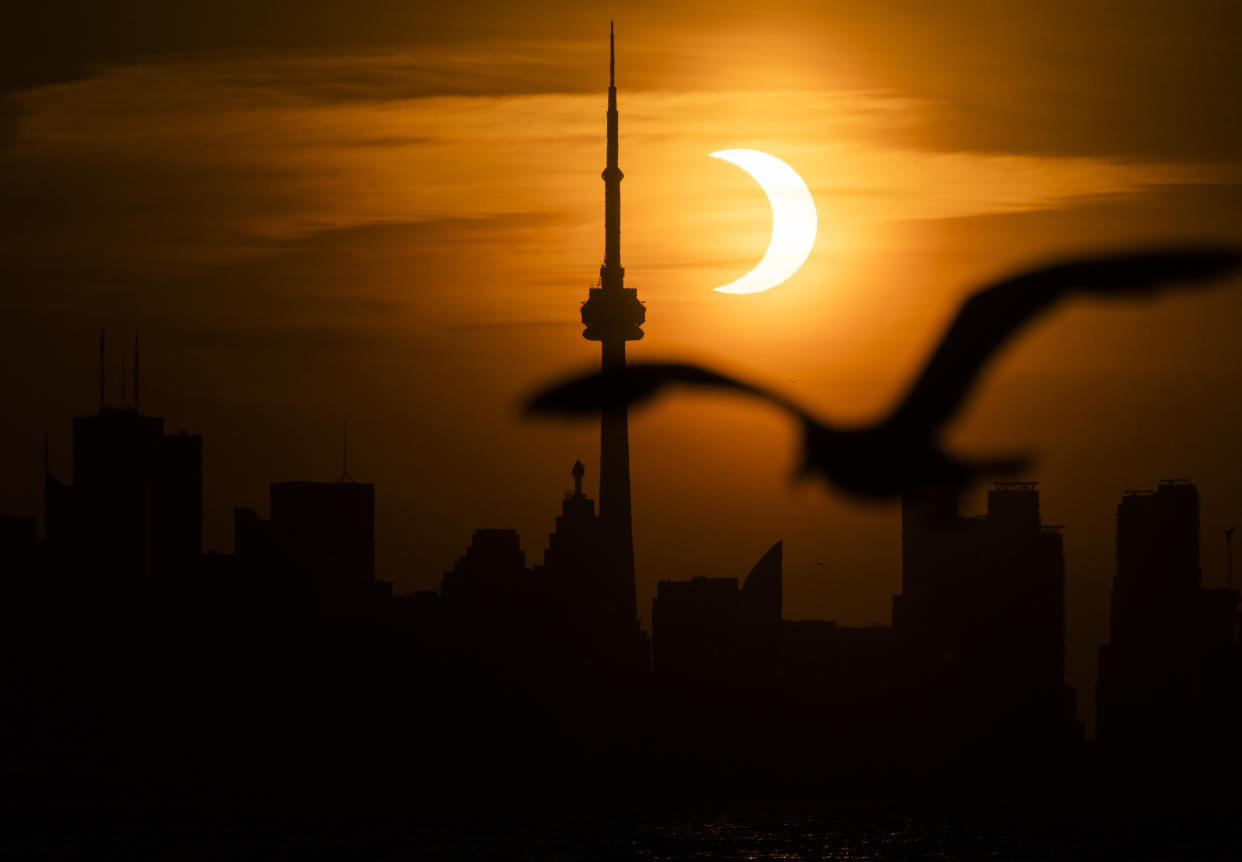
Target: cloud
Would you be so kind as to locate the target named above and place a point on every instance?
(299, 192)
(194, 161)
(1147, 79)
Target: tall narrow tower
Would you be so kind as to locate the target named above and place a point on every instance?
(612, 315)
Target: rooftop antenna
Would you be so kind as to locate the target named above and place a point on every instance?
(101, 370)
(122, 405)
(345, 477)
(1229, 558)
(135, 372)
(47, 469)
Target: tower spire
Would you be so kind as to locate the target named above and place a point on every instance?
(611, 274)
(136, 372)
(345, 477)
(101, 370)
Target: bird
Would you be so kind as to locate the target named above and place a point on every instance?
(902, 451)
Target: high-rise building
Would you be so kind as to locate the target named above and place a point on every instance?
(323, 540)
(252, 537)
(706, 632)
(1168, 676)
(491, 579)
(19, 558)
(1145, 676)
(981, 618)
(696, 626)
(130, 524)
(573, 555)
(259, 587)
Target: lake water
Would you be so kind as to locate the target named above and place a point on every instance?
(544, 835)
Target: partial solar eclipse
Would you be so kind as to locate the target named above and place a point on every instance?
(793, 220)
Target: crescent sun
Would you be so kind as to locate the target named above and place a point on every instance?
(794, 220)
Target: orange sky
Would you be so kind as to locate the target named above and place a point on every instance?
(391, 211)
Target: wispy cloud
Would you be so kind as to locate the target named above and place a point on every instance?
(199, 160)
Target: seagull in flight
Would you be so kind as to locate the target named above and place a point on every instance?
(902, 450)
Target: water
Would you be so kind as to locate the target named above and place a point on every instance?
(773, 836)
(546, 835)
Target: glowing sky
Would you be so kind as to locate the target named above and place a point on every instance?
(391, 211)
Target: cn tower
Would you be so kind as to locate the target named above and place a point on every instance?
(612, 315)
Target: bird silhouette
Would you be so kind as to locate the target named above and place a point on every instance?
(902, 450)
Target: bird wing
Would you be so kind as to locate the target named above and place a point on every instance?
(994, 314)
(635, 383)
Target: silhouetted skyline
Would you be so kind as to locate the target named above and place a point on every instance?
(968, 680)
(363, 212)
(385, 215)
(972, 663)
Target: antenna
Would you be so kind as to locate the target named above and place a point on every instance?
(345, 477)
(1229, 558)
(135, 372)
(101, 370)
(122, 405)
(46, 465)
(612, 58)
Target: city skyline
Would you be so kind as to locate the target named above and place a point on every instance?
(322, 530)
(987, 590)
(266, 373)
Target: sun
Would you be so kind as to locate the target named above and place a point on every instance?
(794, 220)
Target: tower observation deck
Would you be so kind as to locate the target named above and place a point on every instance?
(613, 315)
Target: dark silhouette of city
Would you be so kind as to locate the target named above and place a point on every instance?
(135, 664)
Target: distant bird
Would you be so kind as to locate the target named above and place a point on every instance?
(821, 565)
(902, 451)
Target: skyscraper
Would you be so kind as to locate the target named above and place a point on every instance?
(982, 614)
(1146, 682)
(130, 525)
